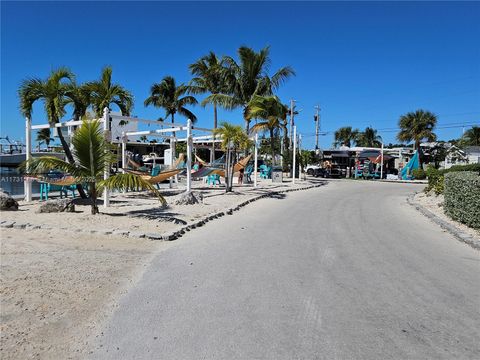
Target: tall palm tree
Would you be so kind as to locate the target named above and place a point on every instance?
(93, 154)
(346, 136)
(79, 96)
(369, 138)
(44, 136)
(250, 77)
(53, 93)
(104, 93)
(471, 137)
(210, 77)
(167, 95)
(233, 140)
(417, 126)
(271, 110)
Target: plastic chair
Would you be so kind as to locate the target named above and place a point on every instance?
(212, 179)
(248, 173)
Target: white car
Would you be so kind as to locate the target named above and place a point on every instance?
(311, 168)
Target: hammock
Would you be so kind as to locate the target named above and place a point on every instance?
(205, 171)
(61, 181)
(219, 161)
(161, 176)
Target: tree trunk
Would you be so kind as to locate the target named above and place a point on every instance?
(272, 146)
(71, 160)
(93, 198)
(212, 155)
(247, 125)
(227, 170)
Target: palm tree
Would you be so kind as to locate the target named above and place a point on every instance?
(272, 111)
(93, 154)
(209, 78)
(369, 138)
(248, 78)
(471, 137)
(345, 136)
(44, 136)
(103, 93)
(233, 140)
(79, 96)
(417, 126)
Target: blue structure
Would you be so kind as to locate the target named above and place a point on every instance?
(413, 164)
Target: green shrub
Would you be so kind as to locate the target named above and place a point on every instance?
(419, 174)
(462, 197)
(436, 177)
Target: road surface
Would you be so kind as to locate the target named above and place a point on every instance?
(346, 271)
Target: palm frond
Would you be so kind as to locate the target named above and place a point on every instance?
(129, 181)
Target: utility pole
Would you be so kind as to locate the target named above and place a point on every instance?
(292, 123)
(317, 126)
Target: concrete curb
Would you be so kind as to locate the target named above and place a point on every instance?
(452, 229)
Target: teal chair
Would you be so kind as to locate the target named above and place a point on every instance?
(265, 172)
(45, 188)
(212, 179)
(248, 173)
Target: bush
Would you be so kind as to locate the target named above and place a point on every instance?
(462, 197)
(436, 177)
(419, 174)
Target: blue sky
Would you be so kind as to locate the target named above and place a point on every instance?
(364, 63)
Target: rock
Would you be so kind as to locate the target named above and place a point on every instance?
(120, 233)
(154, 236)
(190, 198)
(57, 205)
(7, 202)
(7, 224)
(19, 226)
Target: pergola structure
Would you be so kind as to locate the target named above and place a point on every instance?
(169, 132)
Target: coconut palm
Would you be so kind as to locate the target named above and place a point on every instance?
(79, 97)
(369, 138)
(417, 126)
(44, 136)
(471, 137)
(345, 136)
(233, 140)
(104, 93)
(52, 92)
(93, 154)
(250, 77)
(209, 78)
(271, 110)
(167, 95)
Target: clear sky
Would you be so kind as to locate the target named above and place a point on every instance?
(365, 63)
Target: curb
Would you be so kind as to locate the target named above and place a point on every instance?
(452, 229)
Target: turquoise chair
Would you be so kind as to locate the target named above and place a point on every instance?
(45, 188)
(265, 172)
(212, 179)
(248, 173)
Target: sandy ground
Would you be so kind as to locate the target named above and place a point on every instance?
(434, 203)
(59, 285)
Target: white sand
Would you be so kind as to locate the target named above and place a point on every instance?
(59, 285)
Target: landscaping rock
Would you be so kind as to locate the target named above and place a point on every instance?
(136, 234)
(7, 202)
(19, 226)
(154, 236)
(191, 198)
(57, 205)
(7, 224)
(120, 233)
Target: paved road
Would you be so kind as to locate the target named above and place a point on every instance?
(347, 271)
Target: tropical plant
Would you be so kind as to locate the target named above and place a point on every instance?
(369, 138)
(93, 154)
(471, 137)
(345, 136)
(233, 140)
(271, 110)
(167, 95)
(250, 77)
(417, 126)
(54, 92)
(80, 98)
(210, 78)
(44, 136)
(104, 93)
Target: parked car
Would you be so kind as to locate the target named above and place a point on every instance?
(310, 169)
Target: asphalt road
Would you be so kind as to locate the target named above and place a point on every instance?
(347, 271)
